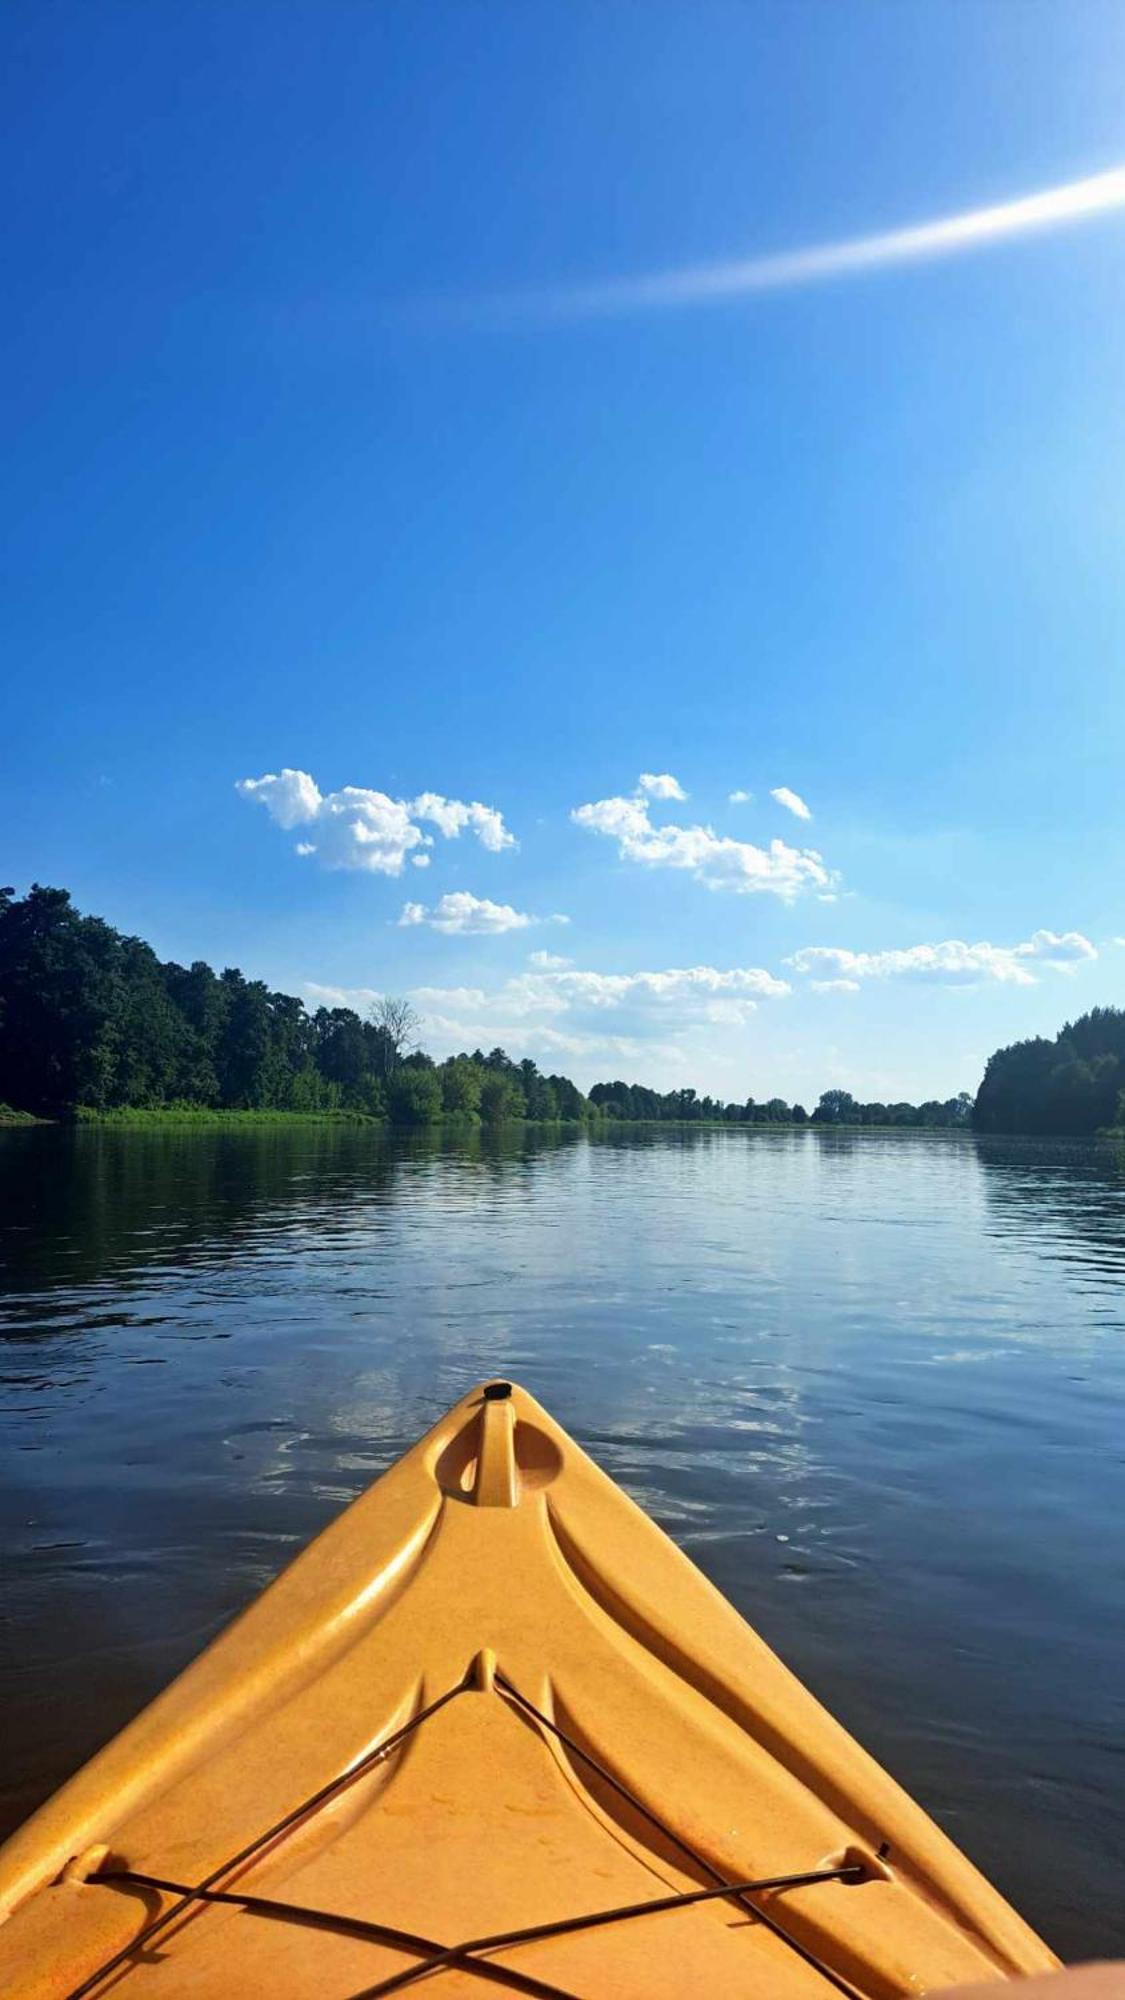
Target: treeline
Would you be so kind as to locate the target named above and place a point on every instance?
(1072, 1085)
(835, 1107)
(91, 1020)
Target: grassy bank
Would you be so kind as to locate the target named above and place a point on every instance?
(205, 1117)
(10, 1116)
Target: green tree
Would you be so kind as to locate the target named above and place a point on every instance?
(836, 1107)
(414, 1096)
(460, 1087)
(149, 1043)
(572, 1106)
(501, 1098)
(243, 1054)
(539, 1097)
(341, 1049)
(58, 996)
(200, 998)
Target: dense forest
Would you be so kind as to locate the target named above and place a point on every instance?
(93, 1021)
(1074, 1084)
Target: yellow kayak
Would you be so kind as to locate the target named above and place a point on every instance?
(492, 1729)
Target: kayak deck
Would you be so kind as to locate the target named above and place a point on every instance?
(493, 1729)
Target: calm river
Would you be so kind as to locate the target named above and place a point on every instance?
(875, 1385)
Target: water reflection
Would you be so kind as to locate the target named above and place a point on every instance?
(873, 1382)
(1069, 1196)
(86, 1204)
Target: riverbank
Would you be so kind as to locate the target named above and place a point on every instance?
(204, 1117)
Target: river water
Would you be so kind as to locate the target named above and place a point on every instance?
(873, 1384)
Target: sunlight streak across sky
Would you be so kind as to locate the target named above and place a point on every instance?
(704, 284)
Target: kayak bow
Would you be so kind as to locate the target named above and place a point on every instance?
(493, 1729)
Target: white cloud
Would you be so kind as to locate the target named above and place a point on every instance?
(568, 989)
(1061, 948)
(713, 859)
(547, 961)
(661, 785)
(663, 1021)
(834, 985)
(952, 960)
(357, 997)
(552, 1048)
(290, 797)
(359, 828)
(661, 1024)
(679, 986)
(739, 798)
(461, 914)
(451, 817)
(792, 801)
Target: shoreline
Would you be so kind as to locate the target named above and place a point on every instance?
(211, 1118)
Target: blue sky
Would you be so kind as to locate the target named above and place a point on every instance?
(343, 440)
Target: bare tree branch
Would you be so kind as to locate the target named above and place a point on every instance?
(397, 1024)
